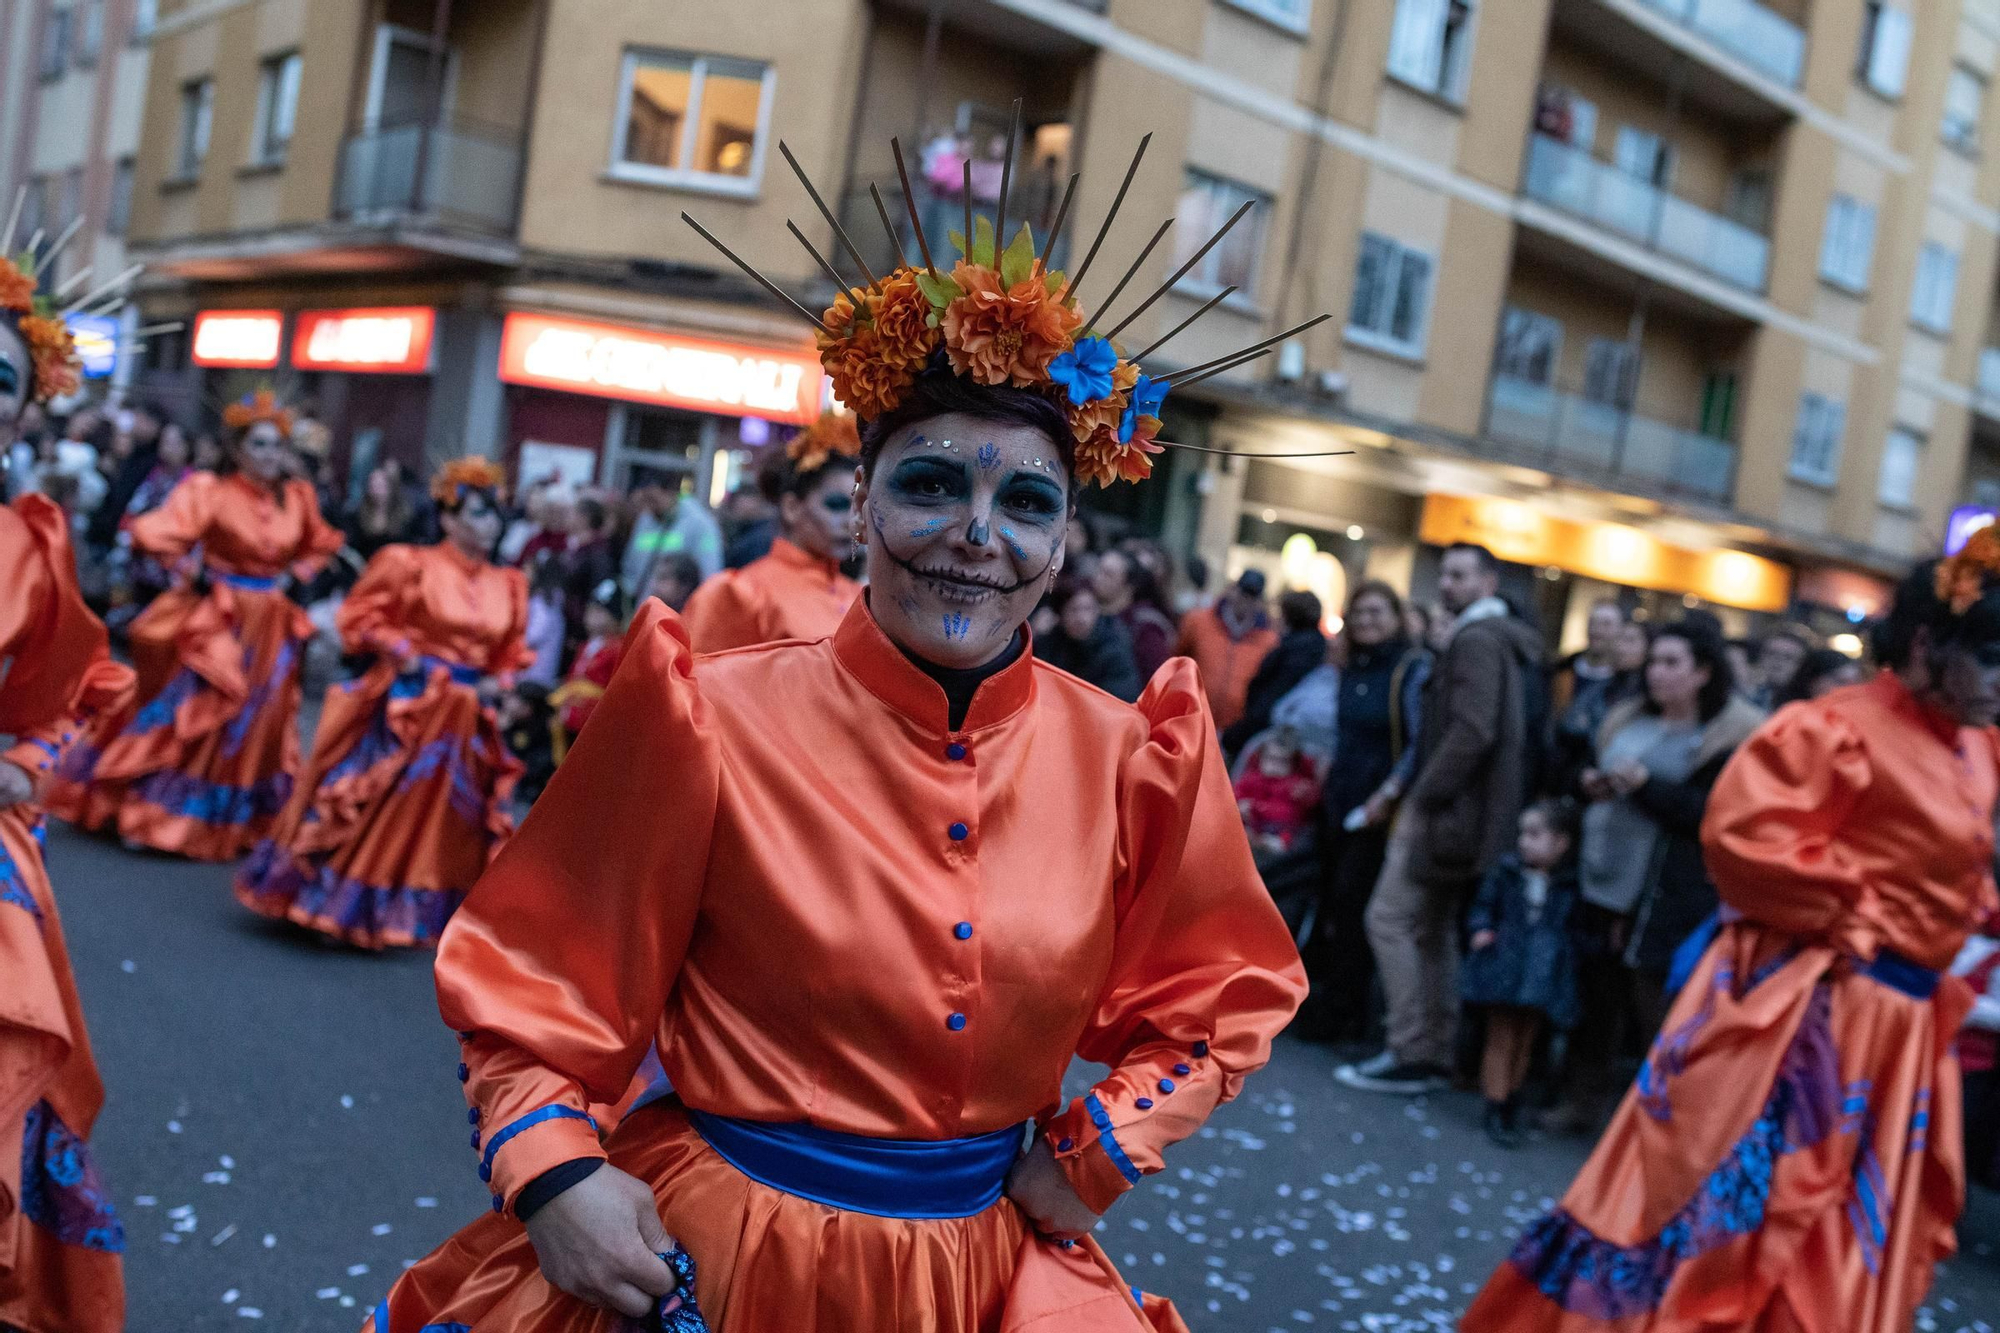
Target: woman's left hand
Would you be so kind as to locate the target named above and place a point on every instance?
(1044, 1193)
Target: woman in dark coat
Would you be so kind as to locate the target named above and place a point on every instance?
(1090, 645)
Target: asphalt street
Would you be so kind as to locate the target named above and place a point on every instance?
(285, 1133)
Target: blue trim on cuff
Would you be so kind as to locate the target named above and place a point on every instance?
(1110, 1140)
(529, 1121)
(45, 747)
(382, 1316)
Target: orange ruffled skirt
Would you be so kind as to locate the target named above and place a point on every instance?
(1788, 1162)
(61, 1244)
(771, 1262)
(202, 765)
(403, 803)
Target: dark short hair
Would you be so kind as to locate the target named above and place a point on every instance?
(1783, 632)
(1299, 609)
(684, 567)
(1488, 562)
(1377, 588)
(1710, 650)
(1067, 591)
(594, 512)
(1561, 814)
(779, 475)
(1918, 607)
(1817, 665)
(940, 391)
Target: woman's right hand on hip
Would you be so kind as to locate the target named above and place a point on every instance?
(600, 1241)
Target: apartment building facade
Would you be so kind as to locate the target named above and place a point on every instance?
(1685, 298)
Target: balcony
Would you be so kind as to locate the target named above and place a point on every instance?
(462, 174)
(1568, 431)
(1766, 41)
(1033, 200)
(1574, 181)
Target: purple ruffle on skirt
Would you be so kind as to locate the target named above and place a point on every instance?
(61, 1191)
(345, 906)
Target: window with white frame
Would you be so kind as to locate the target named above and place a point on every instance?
(119, 215)
(1206, 203)
(1936, 288)
(55, 43)
(693, 120)
(1848, 246)
(1885, 47)
(1530, 345)
(1292, 15)
(197, 119)
(1964, 102)
(1816, 439)
(1430, 46)
(277, 108)
(89, 31)
(1392, 294)
(1902, 460)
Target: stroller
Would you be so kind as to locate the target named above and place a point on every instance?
(1291, 872)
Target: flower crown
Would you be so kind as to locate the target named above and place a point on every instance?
(1001, 317)
(460, 475)
(834, 433)
(255, 409)
(58, 369)
(1964, 576)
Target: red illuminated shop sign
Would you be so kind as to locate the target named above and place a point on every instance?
(238, 339)
(639, 365)
(394, 341)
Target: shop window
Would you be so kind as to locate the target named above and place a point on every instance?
(1530, 345)
(277, 108)
(1816, 440)
(1392, 293)
(1932, 295)
(55, 43)
(1964, 102)
(1430, 48)
(693, 120)
(1902, 460)
(197, 119)
(1292, 15)
(1847, 247)
(1206, 203)
(89, 32)
(1885, 47)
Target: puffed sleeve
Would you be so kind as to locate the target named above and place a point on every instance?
(1772, 831)
(511, 652)
(726, 612)
(320, 542)
(556, 970)
(1203, 973)
(374, 616)
(178, 525)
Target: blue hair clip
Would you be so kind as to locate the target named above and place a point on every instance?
(679, 1312)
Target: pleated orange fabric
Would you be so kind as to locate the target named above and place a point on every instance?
(788, 594)
(1789, 1158)
(404, 799)
(205, 758)
(60, 1239)
(826, 907)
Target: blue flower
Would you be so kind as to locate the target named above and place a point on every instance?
(1147, 396)
(1085, 370)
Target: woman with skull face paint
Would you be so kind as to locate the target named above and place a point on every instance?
(797, 591)
(405, 796)
(1791, 1157)
(203, 762)
(878, 892)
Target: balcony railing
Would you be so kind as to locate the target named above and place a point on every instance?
(1760, 38)
(1989, 373)
(461, 173)
(1567, 428)
(1576, 182)
(1033, 201)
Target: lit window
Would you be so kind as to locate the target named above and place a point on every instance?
(1431, 45)
(277, 108)
(197, 118)
(1902, 459)
(1206, 203)
(1936, 288)
(696, 120)
(1848, 246)
(1392, 292)
(1964, 101)
(1885, 47)
(1816, 439)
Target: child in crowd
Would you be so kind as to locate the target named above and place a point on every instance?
(1522, 967)
(1277, 793)
(546, 626)
(604, 623)
(674, 579)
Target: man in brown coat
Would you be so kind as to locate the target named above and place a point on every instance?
(1474, 774)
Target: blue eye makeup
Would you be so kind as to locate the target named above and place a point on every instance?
(1032, 496)
(837, 503)
(922, 479)
(10, 378)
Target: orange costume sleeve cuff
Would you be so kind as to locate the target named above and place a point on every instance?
(523, 1123)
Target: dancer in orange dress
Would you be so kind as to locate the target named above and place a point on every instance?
(797, 591)
(405, 797)
(60, 1238)
(1790, 1159)
(203, 763)
(869, 896)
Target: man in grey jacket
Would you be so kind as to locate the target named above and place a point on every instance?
(1474, 775)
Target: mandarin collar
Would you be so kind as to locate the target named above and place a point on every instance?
(1898, 695)
(872, 658)
(471, 564)
(788, 553)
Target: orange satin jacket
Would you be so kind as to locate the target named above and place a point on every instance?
(825, 906)
(788, 594)
(1863, 820)
(439, 602)
(240, 526)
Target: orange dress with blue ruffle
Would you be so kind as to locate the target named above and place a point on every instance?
(61, 1243)
(205, 759)
(841, 921)
(1790, 1158)
(787, 594)
(404, 799)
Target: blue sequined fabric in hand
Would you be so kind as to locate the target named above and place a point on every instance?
(679, 1312)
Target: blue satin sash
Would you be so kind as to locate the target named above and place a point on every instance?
(249, 582)
(1899, 973)
(884, 1177)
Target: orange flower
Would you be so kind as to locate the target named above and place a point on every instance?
(901, 315)
(1105, 414)
(1103, 460)
(1005, 335)
(258, 407)
(868, 379)
(479, 474)
(17, 289)
(834, 433)
(53, 351)
(1962, 577)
